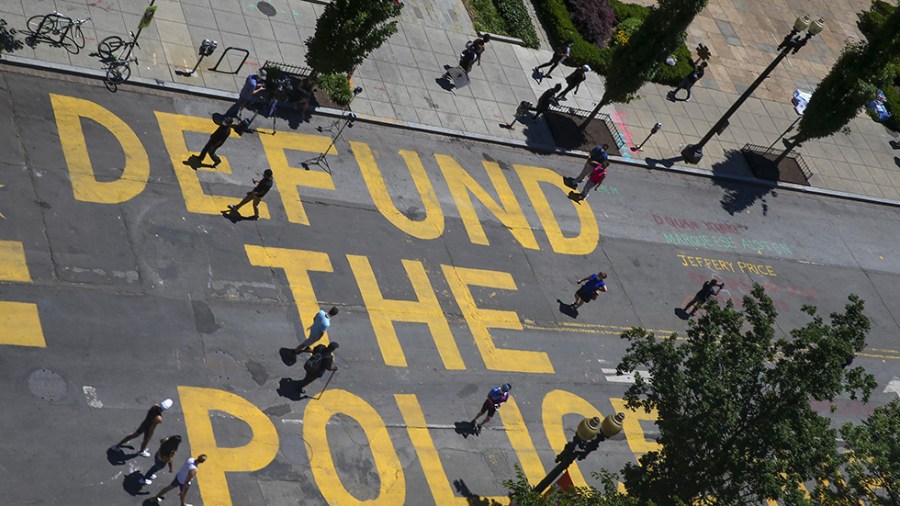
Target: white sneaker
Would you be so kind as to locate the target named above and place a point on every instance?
(153, 477)
(146, 482)
(144, 453)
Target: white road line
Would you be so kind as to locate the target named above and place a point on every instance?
(893, 386)
(612, 377)
(91, 394)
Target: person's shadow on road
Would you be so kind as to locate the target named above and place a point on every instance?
(132, 484)
(118, 457)
(235, 217)
(465, 429)
(567, 309)
(288, 356)
(289, 389)
(682, 314)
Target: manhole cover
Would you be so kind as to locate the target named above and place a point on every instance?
(223, 365)
(47, 385)
(266, 8)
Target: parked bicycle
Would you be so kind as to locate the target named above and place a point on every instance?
(57, 29)
(116, 52)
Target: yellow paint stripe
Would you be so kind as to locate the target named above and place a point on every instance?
(12, 262)
(21, 325)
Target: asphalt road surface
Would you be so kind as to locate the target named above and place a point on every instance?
(122, 284)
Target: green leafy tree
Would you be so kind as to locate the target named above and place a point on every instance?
(862, 67)
(347, 31)
(635, 63)
(733, 402)
(520, 491)
(869, 472)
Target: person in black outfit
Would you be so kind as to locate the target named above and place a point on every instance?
(151, 420)
(689, 81)
(217, 139)
(709, 289)
(321, 360)
(574, 81)
(256, 194)
(546, 99)
(559, 56)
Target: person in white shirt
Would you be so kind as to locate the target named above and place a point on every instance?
(183, 479)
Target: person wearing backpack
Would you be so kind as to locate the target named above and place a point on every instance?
(321, 360)
(559, 56)
(495, 398)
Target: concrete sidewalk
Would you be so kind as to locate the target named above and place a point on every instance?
(399, 79)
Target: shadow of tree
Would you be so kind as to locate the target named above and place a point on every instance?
(8, 40)
(740, 196)
(473, 499)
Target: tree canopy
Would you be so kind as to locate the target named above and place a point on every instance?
(347, 31)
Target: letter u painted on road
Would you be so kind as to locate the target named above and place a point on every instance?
(69, 112)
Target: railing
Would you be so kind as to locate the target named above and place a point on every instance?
(767, 152)
(293, 70)
(584, 113)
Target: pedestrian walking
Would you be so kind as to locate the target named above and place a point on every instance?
(574, 80)
(594, 180)
(162, 458)
(689, 81)
(217, 139)
(559, 56)
(495, 397)
(590, 290)
(598, 154)
(151, 420)
(709, 289)
(321, 360)
(319, 326)
(256, 194)
(521, 111)
(546, 99)
(182, 480)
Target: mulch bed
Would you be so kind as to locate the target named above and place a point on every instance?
(566, 133)
(763, 167)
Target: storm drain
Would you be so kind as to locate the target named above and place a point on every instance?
(223, 366)
(47, 385)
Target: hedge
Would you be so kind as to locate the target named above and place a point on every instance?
(503, 17)
(559, 27)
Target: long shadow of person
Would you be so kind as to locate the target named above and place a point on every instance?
(290, 389)
(132, 484)
(682, 314)
(288, 357)
(465, 429)
(567, 309)
(234, 217)
(118, 457)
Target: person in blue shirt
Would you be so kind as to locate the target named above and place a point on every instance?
(495, 398)
(600, 154)
(590, 290)
(320, 325)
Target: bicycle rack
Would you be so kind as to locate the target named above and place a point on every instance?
(227, 49)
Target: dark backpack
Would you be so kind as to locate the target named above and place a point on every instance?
(314, 362)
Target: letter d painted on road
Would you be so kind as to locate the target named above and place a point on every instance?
(69, 112)
(197, 404)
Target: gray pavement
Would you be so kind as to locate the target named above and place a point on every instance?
(138, 298)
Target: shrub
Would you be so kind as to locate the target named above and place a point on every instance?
(624, 11)
(337, 86)
(872, 19)
(518, 22)
(485, 17)
(594, 19)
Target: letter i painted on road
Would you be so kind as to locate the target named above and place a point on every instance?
(20, 321)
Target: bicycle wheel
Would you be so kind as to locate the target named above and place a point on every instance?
(42, 25)
(76, 36)
(110, 45)
(118, 72)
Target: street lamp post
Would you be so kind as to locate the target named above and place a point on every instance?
(792, 42)
(590, 433)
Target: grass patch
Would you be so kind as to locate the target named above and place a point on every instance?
(503, 17)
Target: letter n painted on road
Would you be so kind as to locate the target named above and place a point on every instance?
(297, 265)
(482, 320)
(20, 322)
(384, 312)
(589, 235)
(197, 404)
(288, 178)
(69, 112)
(173, 128)
(429, 227)
(509, 212)
(392, 491)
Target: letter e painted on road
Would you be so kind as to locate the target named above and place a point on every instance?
(508, 211)
(429, 227)
(173, 128)
(384, 312)
(481, 321)
(69, 112)
(391, 478)
(197, 404)
(297, 265)
(288, 178)
(586, 241)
